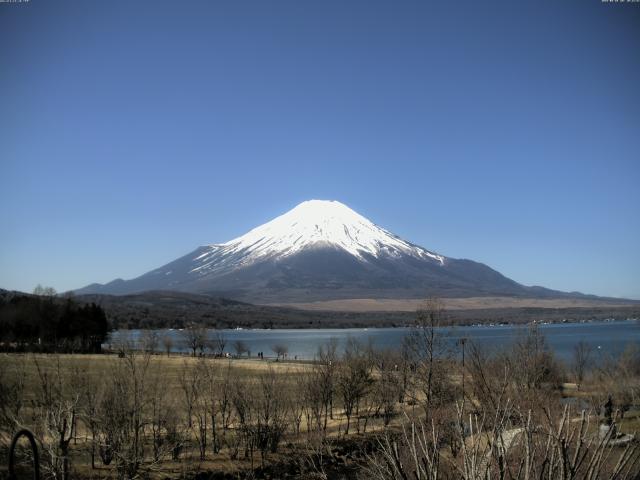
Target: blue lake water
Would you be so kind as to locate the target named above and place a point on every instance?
(607, 337)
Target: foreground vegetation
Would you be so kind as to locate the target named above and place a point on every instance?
(422, 412)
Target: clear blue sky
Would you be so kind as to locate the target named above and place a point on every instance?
(506, 132)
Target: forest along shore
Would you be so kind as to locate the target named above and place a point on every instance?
(154, 310)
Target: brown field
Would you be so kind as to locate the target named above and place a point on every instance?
(168, 369)
(472, 303)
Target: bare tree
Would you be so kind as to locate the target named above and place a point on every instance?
(218, 343)
(387, 389)
(244, 404)
(195, 337)
(412, 454)
(261, 411)
(535, 374)
(533, 361)
(167, 342)
(353, 379)
(56, 407)
(189, 384)
(314, 393)
(429, 353)
(224, 396)
(280, 350)
(325, 372)
(44, 291)
(213, 393)
(297, 398)
(629, 361)
(629, 368)
(122, 414)
(202, 405)
(12, 389)
(271, 408)
(162, 422)
(490, 378)
(122, 342)
(91, 392)
(619, 378)
(581, 360)
(240, 347)
(149, 341)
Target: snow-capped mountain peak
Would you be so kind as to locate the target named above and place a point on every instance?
(313, 223)
(310, 223)
(319, 250)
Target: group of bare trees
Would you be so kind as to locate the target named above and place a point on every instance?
(509, 421)
(497, 415)
(196, 338)
(503, 448)
(128, 416)
(106, 409)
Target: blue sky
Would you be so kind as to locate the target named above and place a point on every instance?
(505, 132)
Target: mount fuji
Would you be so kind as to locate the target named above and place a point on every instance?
(322, 250)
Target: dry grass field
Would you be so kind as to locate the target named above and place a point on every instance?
(471, 303)
(167, 369)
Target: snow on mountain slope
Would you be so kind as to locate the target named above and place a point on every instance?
(309, 224)
(320, 250)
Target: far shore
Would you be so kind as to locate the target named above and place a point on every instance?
(470, 303)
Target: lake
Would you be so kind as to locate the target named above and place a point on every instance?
(606, 337)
